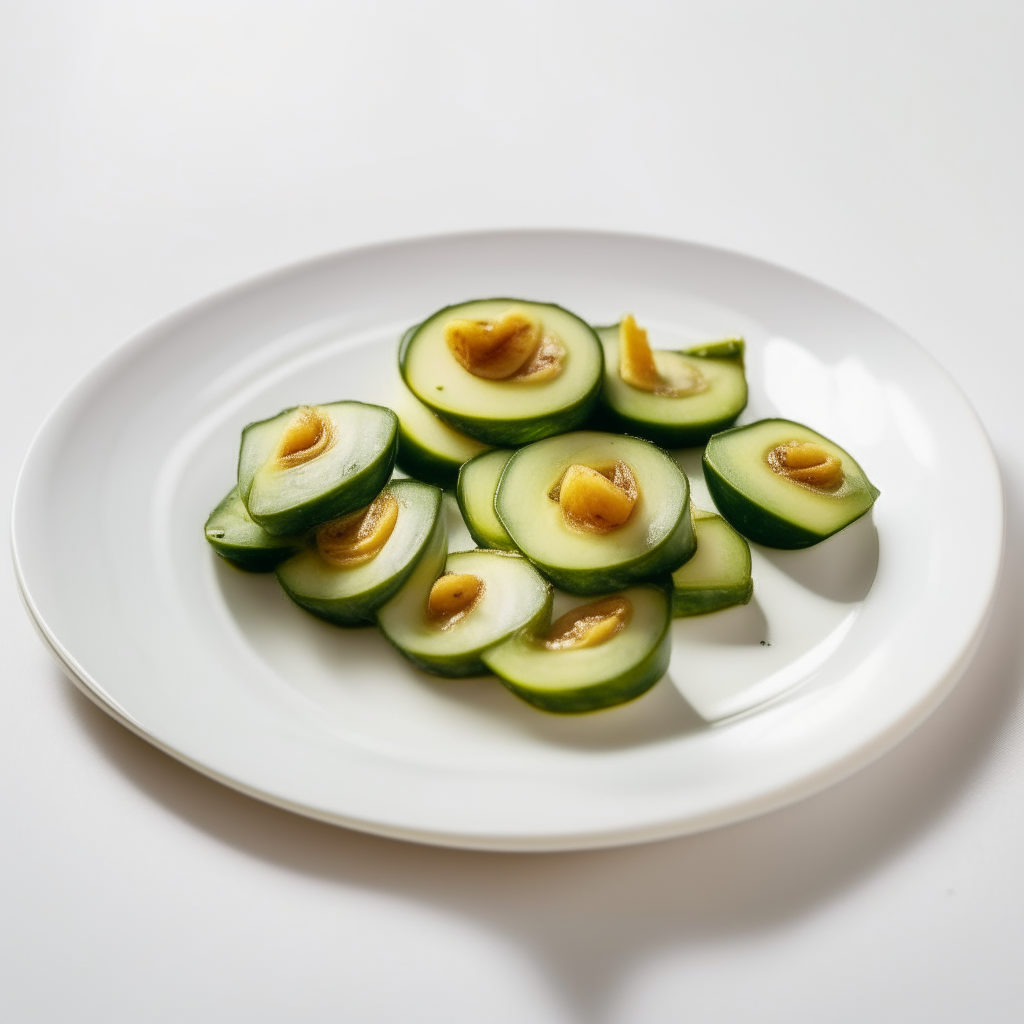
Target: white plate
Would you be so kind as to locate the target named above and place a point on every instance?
(863, 635)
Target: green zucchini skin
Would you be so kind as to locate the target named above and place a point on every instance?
(477, 485)
(503, 430)
(701, 586)
(358, 607)
(401, 618)
(341, 495)
(429, 449)
(674, 547)
(611, 416)
(756, 519)
(609, 689)
(231, 532)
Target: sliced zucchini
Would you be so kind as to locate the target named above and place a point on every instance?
(428, 448)
(783, 485)
(444, 623)
(504, 371)
(675, 399)
(235, 537)
(597, 655)
(718, 575)
(310, 464)
(354, 564)
(478, 482)
(596, 512)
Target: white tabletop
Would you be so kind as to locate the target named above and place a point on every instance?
(153, 153)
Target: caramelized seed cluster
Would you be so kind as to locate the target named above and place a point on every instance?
(452, 597)
(358, 537)
(513, 347)
(597, 499)
(807, 463)
(590, 624)
(310, 433)
(638, 369)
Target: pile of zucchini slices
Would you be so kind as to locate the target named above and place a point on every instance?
(552, 435)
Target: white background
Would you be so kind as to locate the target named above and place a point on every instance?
(152, 153)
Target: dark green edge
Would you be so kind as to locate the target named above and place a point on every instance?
(354, 493)
(359, 609)
(470, 663)
(762, 526)
(423, 464)
(710, 599)
(628, 685)
(510, 433)
(249, 557)
(675, 549)
(482, 539)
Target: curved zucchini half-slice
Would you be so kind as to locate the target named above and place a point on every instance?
(478, 481)
(509, 595)
(680, 421)
(236, 538)
(310, 464)
(348, 592)
(656, 536)
(774, 506)
(428, 448)
(576, 679)
(718, 575)
(511, 410)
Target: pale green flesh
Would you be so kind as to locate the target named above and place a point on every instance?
(478, 482)
(739, 456)
(363, 435)
(724, 399)
(437, 378)
(525, 661)
(348, 594)
(718, 574)
(233, 535)
(435, 439)
(534, 520)
(514, 596)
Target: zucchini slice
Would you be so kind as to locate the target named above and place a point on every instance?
(783, 485)
(235, 537)
(310, 464)
(443, 624)
(428, 448)
(550, 488)
(718, 575)
(504, 371)
(571, 678)
(690, 395)
(478, 481)
(347, 572)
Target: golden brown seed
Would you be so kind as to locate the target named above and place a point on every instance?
(452, 597)
(638, 369)
(512, 347)
(589, 625)
(807, 463)
(309, 433)
(597, 499)
(358, 537)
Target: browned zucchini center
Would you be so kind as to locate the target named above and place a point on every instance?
(359, 536)
(513, 347)
(309, 433)
(452, 597)
(597, 499)
(807, 463)
(590, 624)
(638, 369)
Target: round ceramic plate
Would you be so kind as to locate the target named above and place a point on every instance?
(846, 647)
